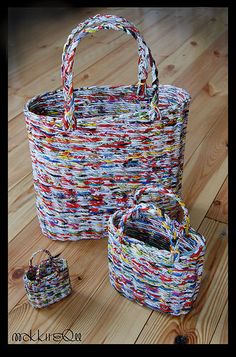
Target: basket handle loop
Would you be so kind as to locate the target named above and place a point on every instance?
(94, 24)
(38, 267)
(163, 191)
(165, 223)
(39, 251)
(172, 228)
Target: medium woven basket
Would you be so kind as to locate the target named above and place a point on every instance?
(153, 259)
(92, 147)
(47, 282)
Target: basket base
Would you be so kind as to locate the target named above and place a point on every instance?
(41, 306)
(147, 303)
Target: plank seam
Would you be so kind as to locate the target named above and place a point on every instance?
(204, 138)
(218, 322)
(19, 181)
(143, 327)
(16, 236)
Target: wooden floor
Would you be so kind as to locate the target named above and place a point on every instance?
(190, 48)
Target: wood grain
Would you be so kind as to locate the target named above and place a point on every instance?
(15, 104)
(206, 196)
(219, 207)
(16, 135)
(205, 110)
(102, 70)
(198, 73)
(221, 334)
(48, 58)
(190, 46)
(59, 27)
(205, 161)
(20, 156)
(21, 206)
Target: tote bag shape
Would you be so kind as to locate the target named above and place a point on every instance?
(91, 147)
(47, 282)
(154, 260)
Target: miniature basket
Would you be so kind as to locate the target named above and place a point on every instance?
(92, 147)
(153, 259)
(47, 282)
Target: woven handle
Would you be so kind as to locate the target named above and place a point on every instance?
(163, 191)
(38, 267)
(94, 24)
(165, 226)
(39, 251)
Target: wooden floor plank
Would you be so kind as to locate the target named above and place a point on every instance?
(50, 40)
(47, 33)
(206, 171)
(205, 161)
(19, 163)
(46, 57)
(16, 135)
(109, 319)
(198, 73)
(21, 206)
(41, 35)
(205, 110)
(206, 196)
(219, 207)
(15, 105)
(199, 325)
(98, 73)
(196, 47)
(221, 334)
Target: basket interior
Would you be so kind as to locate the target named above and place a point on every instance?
(148, 231)
(45, 269)
(103, 101)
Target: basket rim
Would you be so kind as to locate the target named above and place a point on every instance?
(155, 252)
(56, 122)
(62, 261)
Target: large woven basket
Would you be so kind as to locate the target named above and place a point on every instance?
(47, 282)
(153, 259)
(92, 147)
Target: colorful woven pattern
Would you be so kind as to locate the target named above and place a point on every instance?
(47, 282)
(153, 259)
(92, 147)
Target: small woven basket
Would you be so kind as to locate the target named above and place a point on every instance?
(47, 282)
(155, 259)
